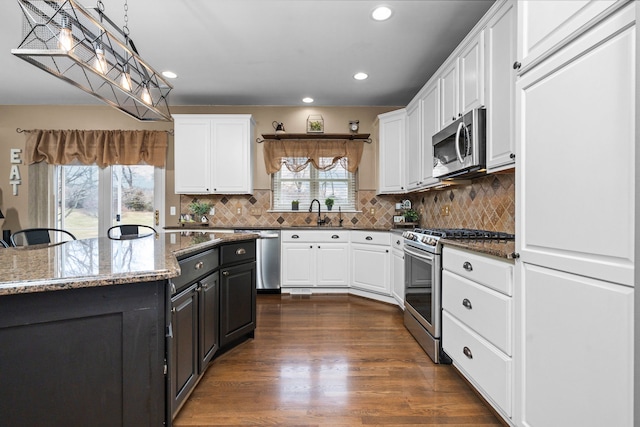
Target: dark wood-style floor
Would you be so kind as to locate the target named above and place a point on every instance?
(331, 361)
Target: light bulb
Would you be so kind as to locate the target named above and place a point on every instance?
(146, 96)
(65, 38)
(125, 80)
(100, 63)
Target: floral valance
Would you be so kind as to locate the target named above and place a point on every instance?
(313, 151)
(100, 147)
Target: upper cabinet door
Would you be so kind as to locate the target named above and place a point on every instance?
(232, 159)
(576, 154)
(448, 83)
(430, 126)
(471, 65)
(500, 44)
(392, 128)
(413, 146)
(192, 153)
(547, 25)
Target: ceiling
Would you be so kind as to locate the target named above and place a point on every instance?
(264, 52)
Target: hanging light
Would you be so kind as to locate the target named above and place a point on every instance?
(80, 47)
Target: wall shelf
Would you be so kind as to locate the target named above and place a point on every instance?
(282, 136)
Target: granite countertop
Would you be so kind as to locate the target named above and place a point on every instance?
(196, 226)
(102, 261)
(499, 248)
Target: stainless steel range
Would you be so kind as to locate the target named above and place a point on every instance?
(423, 282)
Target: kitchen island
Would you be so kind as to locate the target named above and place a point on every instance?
(83, 325)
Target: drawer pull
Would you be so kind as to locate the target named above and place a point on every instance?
(295, 236)
(466, 303)
(467, 352)
(173, 288)
(335, 236)
(369, 238)
(398, 242)
(241, 251)
(198, 265)
(225, 273)
(467, 266)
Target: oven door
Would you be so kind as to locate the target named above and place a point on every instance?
(422, 288)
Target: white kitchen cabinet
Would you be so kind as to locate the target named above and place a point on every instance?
(422, 124)
(315, 258)
(500, 43)
(462, 81)
(213, 153)
(391, 140)
(575, 130)
(478, 319)
(370, 261)
(577, 350)
(545, 26)
(413, 146)
(397, 268)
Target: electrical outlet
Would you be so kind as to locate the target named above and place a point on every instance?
(172, 210)
(255, 211)
(239, 211)
(372, 211)
(445, 210)
(212, 211)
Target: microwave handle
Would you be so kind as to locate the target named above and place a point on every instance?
(458, 153)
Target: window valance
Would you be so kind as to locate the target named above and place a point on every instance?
(313, 151)
(100, 147)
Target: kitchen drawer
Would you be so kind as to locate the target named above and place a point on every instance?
(371, 237)
(316, 236)
(485, 311)
(238, 252)
(489, 271)
(194, 267)
(397, 241)
(486, 366)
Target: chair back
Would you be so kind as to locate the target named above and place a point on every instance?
(40, 236)
(130, 231)
(3, 244)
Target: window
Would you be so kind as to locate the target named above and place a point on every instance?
(89, 200)
(310, 183)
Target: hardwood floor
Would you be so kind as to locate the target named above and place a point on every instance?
(331, 360)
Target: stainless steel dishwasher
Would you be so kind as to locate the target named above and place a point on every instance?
(268, 260)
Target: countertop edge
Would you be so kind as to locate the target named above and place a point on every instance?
(503, 249)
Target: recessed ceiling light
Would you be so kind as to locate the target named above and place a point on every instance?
(169, 74)
(360, 76)
(307, 100)
(381, 13)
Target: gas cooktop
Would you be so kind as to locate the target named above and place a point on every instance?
(428, 238)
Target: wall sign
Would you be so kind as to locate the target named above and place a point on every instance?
(14, 175)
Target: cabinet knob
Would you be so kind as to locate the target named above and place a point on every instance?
(513, 156)
(225, 273)
(517, 65)
(466, 303)
(198, 265)
(173, 310)
(467, 352)
(453, 119)
(467, 266)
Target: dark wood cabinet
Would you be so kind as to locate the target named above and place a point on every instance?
(208, 301)
(237, 302)
(79, 357)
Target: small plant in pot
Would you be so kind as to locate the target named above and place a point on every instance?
(329, 202)
(200, 210)
(295, 204)
(411, 216)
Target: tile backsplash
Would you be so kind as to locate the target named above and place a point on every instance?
(486, 203)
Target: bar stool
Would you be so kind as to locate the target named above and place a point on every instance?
(39, 236)
(130, 231)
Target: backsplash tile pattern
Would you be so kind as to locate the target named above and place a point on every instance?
(484, 203)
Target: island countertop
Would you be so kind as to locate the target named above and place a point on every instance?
(102, 261)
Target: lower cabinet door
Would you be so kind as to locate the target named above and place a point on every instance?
(208, 320)
(184, 345)
(237, 302)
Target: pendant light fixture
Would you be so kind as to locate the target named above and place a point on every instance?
(81, 47)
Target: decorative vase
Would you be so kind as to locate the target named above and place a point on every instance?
(295, 206)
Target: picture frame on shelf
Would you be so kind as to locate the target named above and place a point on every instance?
(315, 124)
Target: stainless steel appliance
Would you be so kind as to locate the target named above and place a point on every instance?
(459, 149)
(267, 260)
(423, 283)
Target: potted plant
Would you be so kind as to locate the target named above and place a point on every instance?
(329, 202)
(295, 204)
(200, 210)
(411, 215)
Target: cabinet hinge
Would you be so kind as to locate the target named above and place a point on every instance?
(166, 368)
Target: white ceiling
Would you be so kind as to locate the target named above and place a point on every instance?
(264, 52)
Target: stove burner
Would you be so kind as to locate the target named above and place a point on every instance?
(464, 233)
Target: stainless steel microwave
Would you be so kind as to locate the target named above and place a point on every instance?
(460, 148)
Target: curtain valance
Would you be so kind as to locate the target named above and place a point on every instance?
(102, 147)
(313, 151)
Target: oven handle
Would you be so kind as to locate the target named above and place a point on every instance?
(418, 254)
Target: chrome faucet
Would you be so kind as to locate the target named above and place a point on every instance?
(320, 220)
